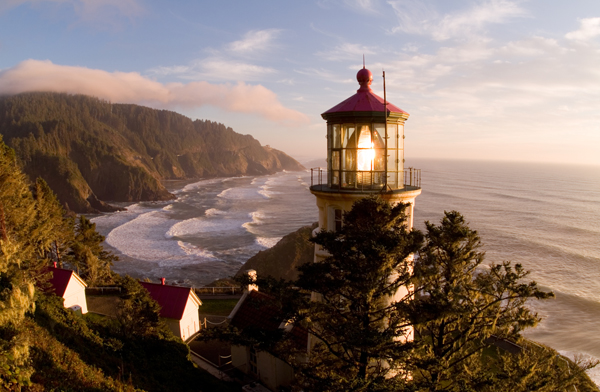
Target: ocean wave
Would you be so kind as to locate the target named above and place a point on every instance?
(267, 193)
(214, 212)
(258, 218)
(196, 185)
(267, 242)
(118, 218)
(240, 194)
(194, 226)
(193, 250)
(143, 238)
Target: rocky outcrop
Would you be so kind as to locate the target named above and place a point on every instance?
(282, 260)
(90, 150)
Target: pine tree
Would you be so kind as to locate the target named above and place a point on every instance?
(138, 314)
(361, 337)
(88, 255)
(462, 307)
(16, 290)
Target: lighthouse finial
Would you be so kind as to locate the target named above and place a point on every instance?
(363, 61)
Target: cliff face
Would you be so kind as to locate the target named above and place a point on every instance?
(282, 260)
(89, 150)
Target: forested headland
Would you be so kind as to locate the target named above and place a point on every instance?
(91, 151)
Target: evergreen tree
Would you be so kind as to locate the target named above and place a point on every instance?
(88, 255)
(16, 290)
(461, 309)
(138, 314)
(360, 336)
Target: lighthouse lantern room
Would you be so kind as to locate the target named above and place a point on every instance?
(365, 156)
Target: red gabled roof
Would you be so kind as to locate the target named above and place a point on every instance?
(172, 299)
(259, 310)
(60, 280)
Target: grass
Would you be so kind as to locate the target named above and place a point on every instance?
(218, 307)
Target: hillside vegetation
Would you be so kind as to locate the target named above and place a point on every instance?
(45, 347)
(90, 151)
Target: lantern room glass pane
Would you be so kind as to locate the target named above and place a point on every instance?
(335, 160)
(392, 169)
(365, 153)
(392, 160)
(348, 135)
(349, 179)
(335, 177)
(392, 180)
(349, 159)
(379, 161)
(379, 135)
(336, 134)
(401, 136)
(392, 135)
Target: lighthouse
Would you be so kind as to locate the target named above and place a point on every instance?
(365, 156)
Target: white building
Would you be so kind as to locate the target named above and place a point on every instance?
(179, 307)
(69, 286)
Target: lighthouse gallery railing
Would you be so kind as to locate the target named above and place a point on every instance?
(318, 178)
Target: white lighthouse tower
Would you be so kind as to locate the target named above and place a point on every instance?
(365, 156)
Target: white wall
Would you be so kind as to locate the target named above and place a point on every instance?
(75, 295)
(272, 372)
(190, 321)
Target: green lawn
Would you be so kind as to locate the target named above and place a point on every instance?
(218, 307)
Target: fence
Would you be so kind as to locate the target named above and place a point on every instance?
(218, 290)
(108, 290)
(319, 179)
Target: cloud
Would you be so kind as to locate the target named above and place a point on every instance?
(588, 28)
(87, 10)
(254, 41)
(229, 63)
(131, 87)
(419, 17)
(216, 68)
(357, 5)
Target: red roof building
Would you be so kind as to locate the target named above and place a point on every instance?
(259, 311)
(69, 286)
(179, 307)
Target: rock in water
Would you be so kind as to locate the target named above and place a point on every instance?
(282, 260)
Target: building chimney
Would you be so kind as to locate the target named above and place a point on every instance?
(252, 278)
(54, 263)
(162, 281)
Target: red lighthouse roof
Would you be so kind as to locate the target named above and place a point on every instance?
(364, 100)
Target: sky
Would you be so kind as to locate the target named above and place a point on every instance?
(515, 80)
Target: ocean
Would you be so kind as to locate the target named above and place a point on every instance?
(545, 217)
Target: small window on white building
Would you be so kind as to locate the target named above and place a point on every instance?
(252, 362)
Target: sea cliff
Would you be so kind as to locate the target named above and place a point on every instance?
(90, 151)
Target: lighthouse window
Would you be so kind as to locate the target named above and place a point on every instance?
(338, 219)
(334, 218)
